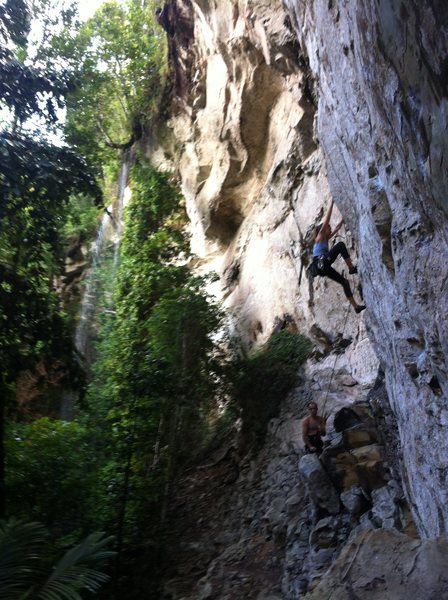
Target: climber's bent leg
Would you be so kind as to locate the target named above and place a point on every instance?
(341, 249)
(335, 276)
(338, 249)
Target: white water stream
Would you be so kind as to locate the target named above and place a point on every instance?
(109, 233)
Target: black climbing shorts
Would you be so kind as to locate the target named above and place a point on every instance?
(316, 441)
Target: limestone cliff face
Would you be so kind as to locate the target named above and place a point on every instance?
(242, 141)
(280, 107)
(379, 73)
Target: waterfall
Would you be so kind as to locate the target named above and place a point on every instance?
(107, 239)
(89, 302)
(123, 197)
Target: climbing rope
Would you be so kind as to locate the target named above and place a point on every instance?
(342, 335)
(334, 365)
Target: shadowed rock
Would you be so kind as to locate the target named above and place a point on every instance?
(320, 488)
(383, 564)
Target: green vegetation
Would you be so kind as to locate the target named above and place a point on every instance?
(158, 374)
(81, 218)
(119, 57)
(264, 378)
(37, 179)
(44, 481)
(164, 382)
(31, 567)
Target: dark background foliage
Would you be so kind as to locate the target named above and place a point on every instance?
(164, 383)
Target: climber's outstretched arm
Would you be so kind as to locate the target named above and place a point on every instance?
(337, 228)
(328, 214)
(325, 223)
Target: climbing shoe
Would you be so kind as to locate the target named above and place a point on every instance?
(360, 308)
(353, 271)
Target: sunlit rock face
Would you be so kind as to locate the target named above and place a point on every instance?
(277, 108)
(379, 77)
(242, 141)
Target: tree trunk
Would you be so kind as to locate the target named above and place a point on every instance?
(2, 452)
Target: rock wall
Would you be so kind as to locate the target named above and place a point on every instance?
(277, 108)
(242, 142)
(379, 77)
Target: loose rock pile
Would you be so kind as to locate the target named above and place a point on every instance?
(384, 563)
(350, 489)
(270, 526)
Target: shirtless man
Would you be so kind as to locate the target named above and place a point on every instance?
(313, 427)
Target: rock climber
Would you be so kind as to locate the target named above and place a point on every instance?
(313, 428)
(323, 258)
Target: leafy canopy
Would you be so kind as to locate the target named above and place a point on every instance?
(29, 88)
(119, 57)
(37, 180)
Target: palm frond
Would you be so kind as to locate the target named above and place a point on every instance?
(21, 547)
(73, 572)
(24, 555)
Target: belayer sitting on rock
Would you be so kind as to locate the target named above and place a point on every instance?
(323, 258)
(313, 428)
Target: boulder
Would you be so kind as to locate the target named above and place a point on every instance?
(345, 470)
(355, 438)
(320, 487)
(370, 467)
(354, 500)
(324, 534)
(369, 453)
(384, 507)
(345, 418)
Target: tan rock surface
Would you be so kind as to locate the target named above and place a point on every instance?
(252, 173)
(387, 565)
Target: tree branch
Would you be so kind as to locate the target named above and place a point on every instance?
(110, 143)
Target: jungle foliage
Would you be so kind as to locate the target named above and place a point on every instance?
(37, 180)
(263, 379)
(32, 567)
(158, 374)
(164, 379)
(119, 60)
(44, 481)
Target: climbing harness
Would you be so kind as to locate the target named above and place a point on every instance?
(318, 266)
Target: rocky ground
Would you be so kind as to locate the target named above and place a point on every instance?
(270, 525)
